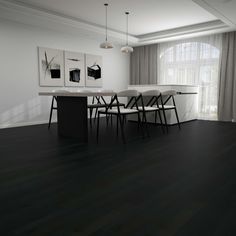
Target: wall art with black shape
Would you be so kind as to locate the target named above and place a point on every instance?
(51, 67)
(74, 69)
(93, 71)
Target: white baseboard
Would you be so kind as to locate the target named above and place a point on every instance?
(6, 126)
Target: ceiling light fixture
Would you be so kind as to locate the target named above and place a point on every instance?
(127, 48)
(106, 44)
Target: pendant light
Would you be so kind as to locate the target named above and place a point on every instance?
(106, 44)
(127, 48)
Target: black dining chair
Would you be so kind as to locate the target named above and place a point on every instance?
(168, 104)
(115, 109)
(97, 102)
(151, 104)
(100, 102)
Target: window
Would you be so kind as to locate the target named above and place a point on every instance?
(192, 63)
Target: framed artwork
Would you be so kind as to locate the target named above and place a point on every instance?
(93, 70)
(51, 67)
(74, 69)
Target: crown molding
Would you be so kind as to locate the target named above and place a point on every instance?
(208, 7)
(211, 26)
(19, 12)
(14, 10)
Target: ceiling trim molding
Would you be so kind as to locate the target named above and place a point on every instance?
(28, 15)
(208, 7)
(197, 28)
(15, 10)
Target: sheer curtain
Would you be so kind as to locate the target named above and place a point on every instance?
(193, 62)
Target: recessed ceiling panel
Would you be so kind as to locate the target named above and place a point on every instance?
(146, 16)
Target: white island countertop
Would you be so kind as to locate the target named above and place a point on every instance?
(77, 94)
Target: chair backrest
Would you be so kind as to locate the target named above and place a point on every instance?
(151, 93)
(128, 93)
(99, 99)
(169, 93)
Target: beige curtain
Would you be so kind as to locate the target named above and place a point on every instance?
(227, 84)
(143, 65)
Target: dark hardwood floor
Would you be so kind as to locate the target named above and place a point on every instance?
(180, 184)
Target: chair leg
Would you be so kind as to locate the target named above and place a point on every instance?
(117, 124)
(123, 120)
(177, 117)
(143, 116)
(146, 124)
(159, 113)
(98, 126)
(155, 117)
(139, 121)
(140, 124)
(95, 115)
(107, 119)
(122, 128)
(50, 117)
(164, 114)
(90, 115)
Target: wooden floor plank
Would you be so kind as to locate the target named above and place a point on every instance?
(181, 183)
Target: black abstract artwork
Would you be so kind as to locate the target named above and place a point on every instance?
(74, 69)
(51, 68)
(73, 59)
(94, 72)
(74, 75)
(55, 73)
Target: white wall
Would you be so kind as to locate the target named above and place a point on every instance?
(19, 82)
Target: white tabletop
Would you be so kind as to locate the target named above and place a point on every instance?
(77, 94)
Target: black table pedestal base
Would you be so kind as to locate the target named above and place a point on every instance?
(72, 117)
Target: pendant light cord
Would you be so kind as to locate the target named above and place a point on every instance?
(106, 4)
(127, 27)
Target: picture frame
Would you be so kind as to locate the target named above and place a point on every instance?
(51, 67)
(74, 69)
(93, 70)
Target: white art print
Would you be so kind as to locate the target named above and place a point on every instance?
(93, 71)
(74, 69)
(51, 67)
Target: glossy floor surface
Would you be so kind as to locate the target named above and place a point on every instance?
(180, 184)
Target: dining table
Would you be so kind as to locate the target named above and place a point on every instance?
(72, 112)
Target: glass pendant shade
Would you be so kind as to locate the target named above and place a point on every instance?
(106, 44)
(127, 49)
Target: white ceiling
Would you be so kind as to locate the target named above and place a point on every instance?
(150, 21)
(147, 16)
